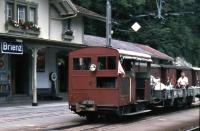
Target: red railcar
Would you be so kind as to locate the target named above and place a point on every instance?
(98, 85)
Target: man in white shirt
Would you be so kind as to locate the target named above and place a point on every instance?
(183, 81)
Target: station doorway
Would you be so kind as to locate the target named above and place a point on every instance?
(62, 70)
(20, 65)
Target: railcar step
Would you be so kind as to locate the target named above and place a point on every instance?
(138, 112)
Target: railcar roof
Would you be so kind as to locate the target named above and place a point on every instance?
(134, 55)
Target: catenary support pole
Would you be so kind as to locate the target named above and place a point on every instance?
(108, 23)
(34, 81)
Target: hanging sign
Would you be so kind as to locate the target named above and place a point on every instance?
(11, 47)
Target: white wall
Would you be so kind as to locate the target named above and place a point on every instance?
(55, 26)
(50, 66)
(78, 28)
(2, 16)
(49, 28)
(43, 17)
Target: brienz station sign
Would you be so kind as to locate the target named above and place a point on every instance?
(11, 47)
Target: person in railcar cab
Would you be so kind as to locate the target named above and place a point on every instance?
(183, 81)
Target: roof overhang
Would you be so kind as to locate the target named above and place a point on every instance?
(64, 7)
(90, 14)
(155, 53)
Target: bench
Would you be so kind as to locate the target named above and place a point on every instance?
(46, 94)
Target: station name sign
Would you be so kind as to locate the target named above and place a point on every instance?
(11, 47)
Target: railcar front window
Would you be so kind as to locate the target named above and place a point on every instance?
(107, 63)
(81, 63)
(106, 82)
(102, 63)
(111, 62)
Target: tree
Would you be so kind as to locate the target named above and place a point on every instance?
(176, 35)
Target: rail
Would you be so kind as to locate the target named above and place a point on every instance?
(194, 129)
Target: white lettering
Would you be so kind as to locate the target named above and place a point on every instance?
(11, 48)
(4, 46)
(20, 48)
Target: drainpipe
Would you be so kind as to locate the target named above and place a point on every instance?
(68, 17)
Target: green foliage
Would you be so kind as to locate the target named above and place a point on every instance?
(176, 35)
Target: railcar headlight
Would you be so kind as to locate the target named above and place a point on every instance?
(93, 67)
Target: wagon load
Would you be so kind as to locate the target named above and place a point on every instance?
(169, 92)
(158, 85)
(196, 90)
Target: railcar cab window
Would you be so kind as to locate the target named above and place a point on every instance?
(107, 63)
(81, 63)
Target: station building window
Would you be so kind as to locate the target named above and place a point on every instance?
(32, 15)
(21, 11)
(81, 63)
(10, 11)
(107, 63)
(67, 24)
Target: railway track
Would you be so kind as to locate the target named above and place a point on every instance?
(103, 124)
(195, 129)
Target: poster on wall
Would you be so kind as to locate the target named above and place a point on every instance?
(3, 62)
(4, 73)
(41, 62)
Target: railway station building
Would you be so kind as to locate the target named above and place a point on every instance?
(36, 37)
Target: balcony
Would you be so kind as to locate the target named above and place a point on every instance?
(26, 28)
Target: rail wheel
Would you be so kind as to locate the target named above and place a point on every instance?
(189, 101)
(92, 117)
